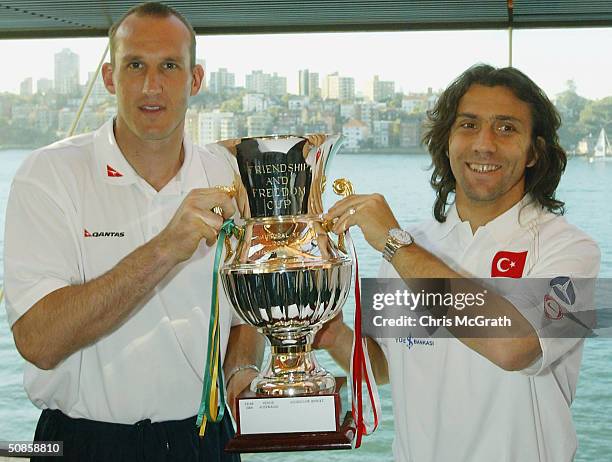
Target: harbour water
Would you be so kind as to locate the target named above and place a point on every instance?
(404, 181)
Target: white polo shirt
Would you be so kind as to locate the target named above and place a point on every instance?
(450, 403)
(75, 209)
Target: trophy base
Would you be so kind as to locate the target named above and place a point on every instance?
(269, 424)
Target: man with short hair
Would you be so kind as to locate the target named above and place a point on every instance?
(109, 250)
(479, 395)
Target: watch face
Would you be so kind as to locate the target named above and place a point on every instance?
(401, 236)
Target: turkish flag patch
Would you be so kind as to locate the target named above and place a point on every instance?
(110, 171)
(508, 264)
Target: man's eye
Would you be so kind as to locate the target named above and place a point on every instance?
(468, 124)
(135, 65)
(170, 66)
(506, 128)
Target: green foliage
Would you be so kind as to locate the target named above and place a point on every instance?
(597, 114)
(24, 135)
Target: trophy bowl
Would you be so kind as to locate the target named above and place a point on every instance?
(285, 274)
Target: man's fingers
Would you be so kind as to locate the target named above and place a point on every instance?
(345, 204)
(345, 221)
(211, 220)
(209, 198)
(227, 206)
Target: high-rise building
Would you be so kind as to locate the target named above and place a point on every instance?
(257, 82)
(379, 90)
(25, 87)
(269, 85)
(308, 83)
(278, 85)
(221, 80)
(337, 87)
(44, 85)
(66, 72)
(216, 126)
(313, 85)
(304, 83)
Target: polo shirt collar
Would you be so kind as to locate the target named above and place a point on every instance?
(452, 221)
(114, 168)
(110, 162)
(520, 216)
(501, 228)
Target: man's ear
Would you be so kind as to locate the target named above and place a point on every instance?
(197, 77)
(107, 77)
(537, 150)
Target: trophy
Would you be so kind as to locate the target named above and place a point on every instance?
(286, 276)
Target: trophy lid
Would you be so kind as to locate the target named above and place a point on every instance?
(282, 175)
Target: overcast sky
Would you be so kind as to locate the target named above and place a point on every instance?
(414, 60)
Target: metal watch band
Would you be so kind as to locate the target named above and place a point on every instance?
(390, 248)
(392, 245)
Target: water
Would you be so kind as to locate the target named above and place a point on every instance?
(404, 182)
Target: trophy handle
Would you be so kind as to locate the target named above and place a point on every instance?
(343, 187)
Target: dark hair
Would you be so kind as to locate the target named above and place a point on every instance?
(156, 10)
(542, 179)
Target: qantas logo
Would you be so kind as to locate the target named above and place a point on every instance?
(110, 171)
(508, 264)
(103, 233)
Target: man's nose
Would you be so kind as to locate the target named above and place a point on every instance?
(485, 140)
(152, 83)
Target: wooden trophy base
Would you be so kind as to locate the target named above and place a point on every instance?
(298, 423)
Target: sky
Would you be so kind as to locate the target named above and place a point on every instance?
(414, 60)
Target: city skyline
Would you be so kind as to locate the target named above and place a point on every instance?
(330, 86)
(432, 58)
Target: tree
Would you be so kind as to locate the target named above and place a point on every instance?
(597, 115)
(570, 105)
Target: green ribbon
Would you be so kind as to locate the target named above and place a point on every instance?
(212, 403)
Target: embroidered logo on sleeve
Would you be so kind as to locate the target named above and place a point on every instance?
(110, 171)
(552, 308)
(563, 287)
(508, 264)
(560, 298)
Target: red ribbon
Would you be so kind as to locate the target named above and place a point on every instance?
(360, 366)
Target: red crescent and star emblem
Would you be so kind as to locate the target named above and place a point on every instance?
(508, 264)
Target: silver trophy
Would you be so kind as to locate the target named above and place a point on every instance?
(285, 274)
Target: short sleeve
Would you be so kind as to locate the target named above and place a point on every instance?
(558, 297)
(40, 254)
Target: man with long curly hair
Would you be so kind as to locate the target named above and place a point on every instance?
(481, 394)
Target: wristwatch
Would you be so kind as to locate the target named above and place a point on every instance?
(396, 239)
